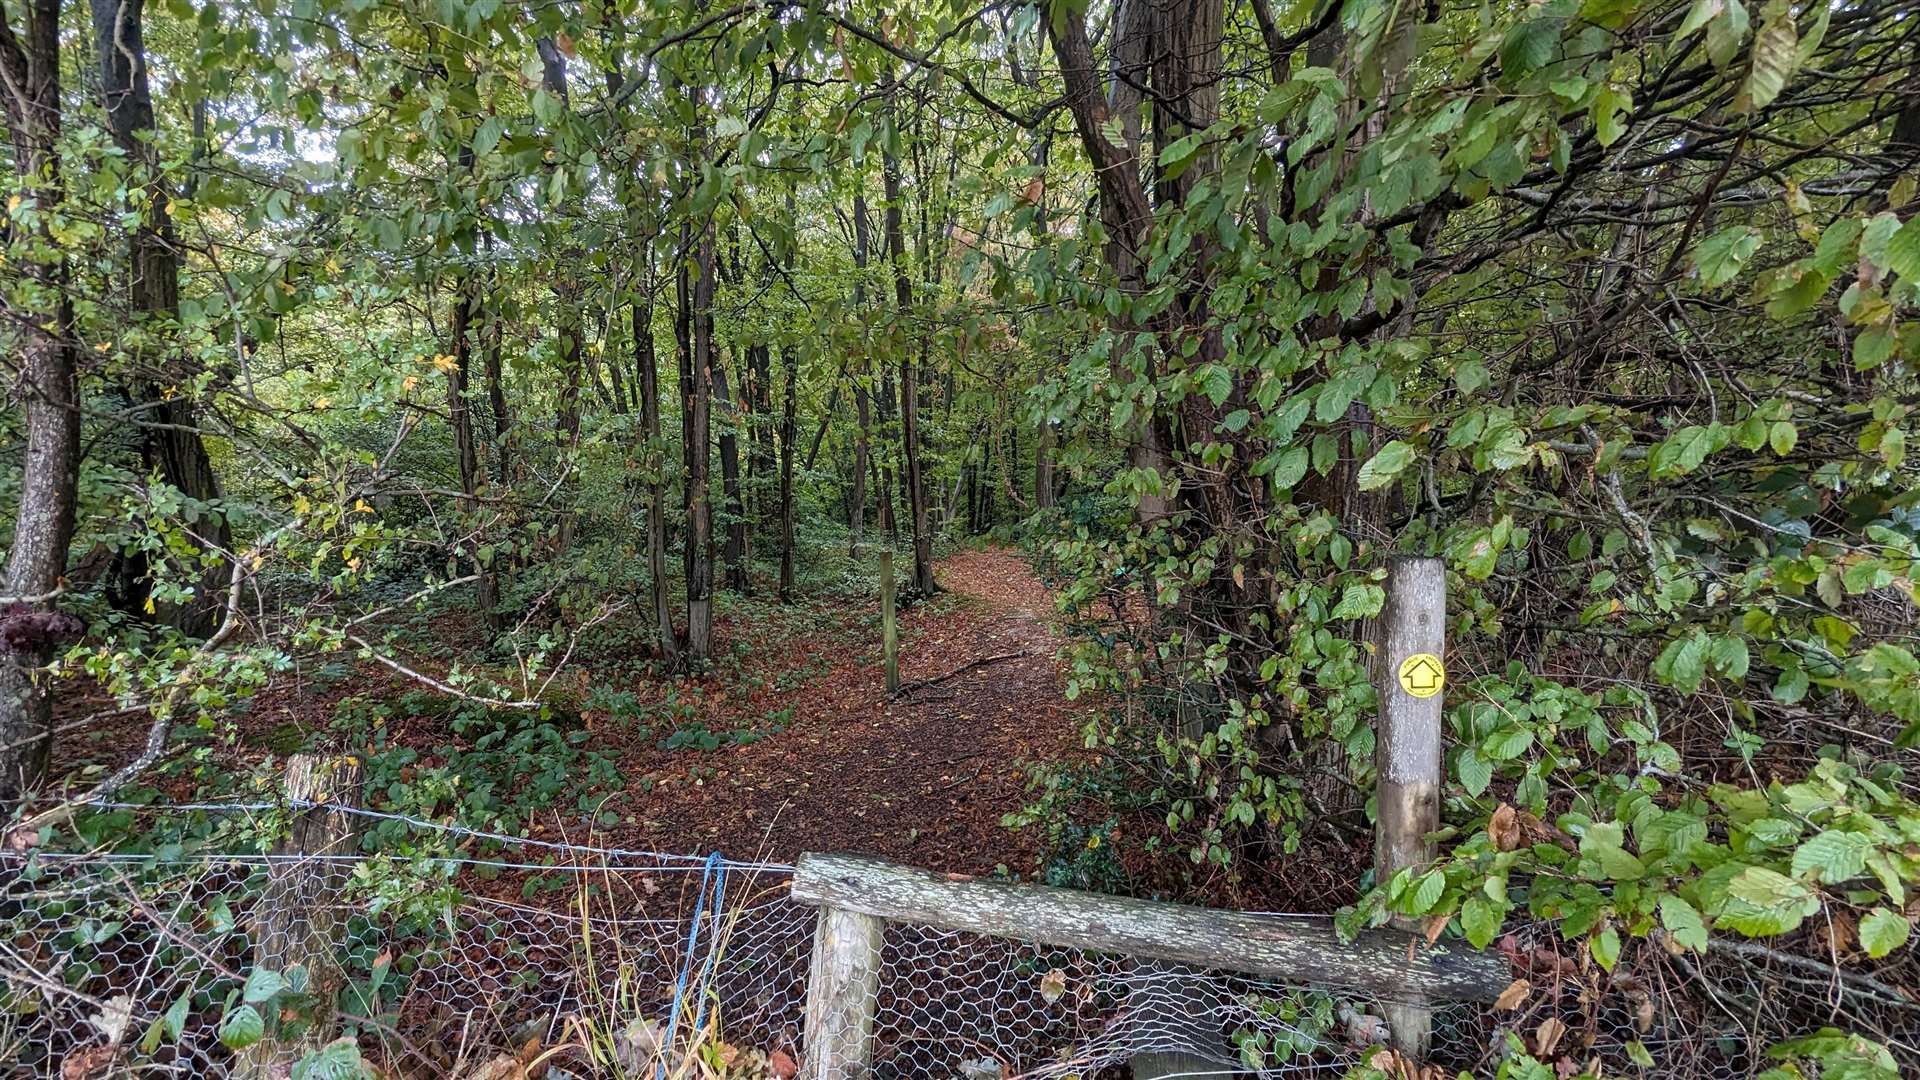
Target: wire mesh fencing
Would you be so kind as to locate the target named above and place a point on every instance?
(545, 960)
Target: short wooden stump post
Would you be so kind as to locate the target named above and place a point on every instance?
(843, 989)
(297, 922)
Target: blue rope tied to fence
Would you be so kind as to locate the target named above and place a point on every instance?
(714, 875)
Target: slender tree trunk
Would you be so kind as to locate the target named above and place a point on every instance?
(735, 554)
(820, 433)
(566, 418)
(50, 464)
(169, 436)
(467, 313)
(647, 366)
(760, 417)
(1043, 494)
(788, 407)
(862, 395)
(883, 465)
(568, 318)
(857, 497)
(923, 582)
(497, 388)
(697, 399)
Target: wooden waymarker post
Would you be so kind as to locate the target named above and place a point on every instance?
(298, 920)
(889, 629)
(1406, 756)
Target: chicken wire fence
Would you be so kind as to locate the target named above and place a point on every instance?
(554, 960)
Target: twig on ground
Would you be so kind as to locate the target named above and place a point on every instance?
(921, 684)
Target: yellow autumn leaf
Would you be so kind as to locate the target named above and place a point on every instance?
(446, 363)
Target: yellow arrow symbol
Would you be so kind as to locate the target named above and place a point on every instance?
(1422, 675)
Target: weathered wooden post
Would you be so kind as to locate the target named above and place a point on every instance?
(298, 920)
(889, 628)
(1406, 756)
(843, 989)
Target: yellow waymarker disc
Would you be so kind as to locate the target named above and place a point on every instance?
(1422, 675)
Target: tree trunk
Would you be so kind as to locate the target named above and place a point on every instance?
(923, 582)
(567, 318)
(170, 441)
(497, 390)
(467, 312)
(857, 496)
(696, 396)
(862, 395)
(791, 361)
(1043, 466)
(647, 365)
(736, 546)
(760, 426)
(50, 464)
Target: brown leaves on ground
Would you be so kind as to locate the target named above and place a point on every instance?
(924, 778)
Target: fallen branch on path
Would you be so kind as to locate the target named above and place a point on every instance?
(922, 684)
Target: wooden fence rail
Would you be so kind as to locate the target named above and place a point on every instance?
(857, 895)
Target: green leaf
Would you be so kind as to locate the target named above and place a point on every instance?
(1529, 46)
(1613, 863)
(1610, 110)
(241, 1028)
(1726, 32)
(175, 1018)
(1381, 468)
(1832, 856)
(1606, 948)
(1903, 250)
(1683, 451)
(1882, 931)
(1683, 923)
(1427, 891)
(1702, 12)
(1360, 601)
(1720, 257)
(1776, 51)
(1762, 903)
(1480, 920)
(262, 984)
(1218, 384)
(338, 1060)
(1475, 772)
(1683, 663)
(1508, 743)
(1291, 468)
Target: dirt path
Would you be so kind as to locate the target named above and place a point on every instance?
(923, 777)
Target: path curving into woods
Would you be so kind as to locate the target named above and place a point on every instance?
(923, 777)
